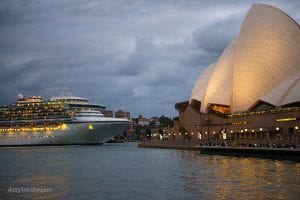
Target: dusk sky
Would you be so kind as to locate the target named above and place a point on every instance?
(141, 56)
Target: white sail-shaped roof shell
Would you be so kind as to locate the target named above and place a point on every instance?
(267, 52)
(219, 89)
(284, 92)
(293, 95)
(263, 64)
(201, 84)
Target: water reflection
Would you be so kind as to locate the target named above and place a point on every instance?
(237, 178)
(128, 172)
(37, 187)
(34, 173)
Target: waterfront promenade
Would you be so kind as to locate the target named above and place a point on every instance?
(270, 150)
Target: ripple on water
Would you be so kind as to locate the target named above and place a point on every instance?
(126, 172)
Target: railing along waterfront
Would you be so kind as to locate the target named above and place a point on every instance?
(190, 144)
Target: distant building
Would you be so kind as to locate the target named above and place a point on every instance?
(107, 113)
(143, 121)
(154, 121)
(122, 114)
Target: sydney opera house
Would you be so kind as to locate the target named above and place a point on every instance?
(253, 90)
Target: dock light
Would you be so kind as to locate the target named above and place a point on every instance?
(296, 127)
(90, 127)
(277, 128)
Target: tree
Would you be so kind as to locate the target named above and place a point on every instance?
(165, 121)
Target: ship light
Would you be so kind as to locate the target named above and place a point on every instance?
(90, 127)
(64, 126)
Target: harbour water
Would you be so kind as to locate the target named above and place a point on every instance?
(123, 171)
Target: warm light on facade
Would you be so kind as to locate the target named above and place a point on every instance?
(286, 119)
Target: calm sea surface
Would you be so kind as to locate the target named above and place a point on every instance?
(124, 171)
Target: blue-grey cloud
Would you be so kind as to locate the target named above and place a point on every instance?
(142, 56)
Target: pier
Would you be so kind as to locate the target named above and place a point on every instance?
(240, 151)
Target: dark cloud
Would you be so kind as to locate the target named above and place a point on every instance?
(142, 56)
(213, 38)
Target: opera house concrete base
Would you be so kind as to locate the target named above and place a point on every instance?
(276, 126)
(252, 91)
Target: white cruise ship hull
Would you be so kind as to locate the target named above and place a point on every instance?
(78, 132)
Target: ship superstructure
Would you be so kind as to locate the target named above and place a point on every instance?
(61, 120)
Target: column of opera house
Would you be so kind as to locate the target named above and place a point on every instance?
(252, 91)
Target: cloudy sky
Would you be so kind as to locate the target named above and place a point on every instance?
(139, 55)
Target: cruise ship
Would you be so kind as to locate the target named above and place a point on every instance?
(62, 120)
